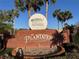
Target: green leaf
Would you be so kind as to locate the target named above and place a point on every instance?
(53, 1)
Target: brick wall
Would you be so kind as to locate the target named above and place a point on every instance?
(19, 40)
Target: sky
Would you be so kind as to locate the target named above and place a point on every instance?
(22, 20)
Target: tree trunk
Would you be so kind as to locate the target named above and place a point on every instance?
(59, 15)
(58, 24)
(13, 27)
(29, 13)
(46, 9)
(62, 24)
(29, 10)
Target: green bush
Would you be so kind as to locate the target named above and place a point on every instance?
(76, 38)
(6, 51)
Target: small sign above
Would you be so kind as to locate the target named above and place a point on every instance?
(38, 22)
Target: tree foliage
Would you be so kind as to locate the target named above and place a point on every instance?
(7, 18)
(62, 16)
(23, 5)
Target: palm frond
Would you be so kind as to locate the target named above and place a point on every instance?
(53, 1)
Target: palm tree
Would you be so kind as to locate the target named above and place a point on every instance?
(62, 16)
(28, 5)
(6, 21)
(22, 5)
(36, 4)
(56, 14)
(65, 16)
(7, 17)
(47, 3)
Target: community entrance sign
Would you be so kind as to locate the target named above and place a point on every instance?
(38, 41)
(38, 22)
